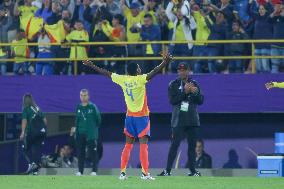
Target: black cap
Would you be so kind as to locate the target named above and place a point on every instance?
(182, 66)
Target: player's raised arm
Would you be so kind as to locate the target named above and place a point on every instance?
(166, 60)
(96, 68)
(274, 85)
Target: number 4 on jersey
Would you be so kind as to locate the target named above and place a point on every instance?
(129, 93)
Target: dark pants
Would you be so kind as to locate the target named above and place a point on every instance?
(82, 143)
(178, 134)
(149, 65)
(177, 51)
(32, 149)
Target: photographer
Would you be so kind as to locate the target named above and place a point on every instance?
(182, 25)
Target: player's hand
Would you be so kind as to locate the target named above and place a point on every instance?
(269, 85)
(88, 63)
(167, 57)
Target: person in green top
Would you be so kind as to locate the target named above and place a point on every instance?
(32, 142)
(88, 120)
(274, 85)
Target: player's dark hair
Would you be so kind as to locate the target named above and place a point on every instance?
(200, 141)
(132, 69)
(28, 101)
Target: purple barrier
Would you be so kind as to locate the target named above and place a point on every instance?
(223, 93)
(217, 148)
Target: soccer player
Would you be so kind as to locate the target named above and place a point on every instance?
(137, 122)
(274, 85)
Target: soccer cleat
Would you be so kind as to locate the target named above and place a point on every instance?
(29, 170)
(122, 176)
(195, 174)
(164, 173)
(93, 174)
(147, 177)
(78, 174)
(35, 173)
(33, 169)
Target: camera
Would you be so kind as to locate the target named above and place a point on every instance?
(135, 28)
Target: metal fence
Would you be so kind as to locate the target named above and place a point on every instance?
(75, 61)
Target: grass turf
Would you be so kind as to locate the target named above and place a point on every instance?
(112, 182)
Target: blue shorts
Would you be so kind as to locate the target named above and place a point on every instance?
(137, 127)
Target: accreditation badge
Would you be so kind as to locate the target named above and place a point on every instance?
(184, 106)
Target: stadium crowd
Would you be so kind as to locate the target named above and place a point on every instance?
(63, 21)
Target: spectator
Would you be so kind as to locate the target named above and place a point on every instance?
(25, 11)
(57, 33)
(84, 12)
(76, 36)
(202, 159)
(277, 49)
(163, 22)
(66, 158)
(228, 10)
(217, 32)
(5, 22)
(20, 52)
(8, 6)
(101, 32)
(182, 25)
(233, 162)
(113, 7)
(118, 34)
(150, 32)
(202, 34)
(45, 11)
(56, 14)
(134, 18)
(68, 5)
(263, 29)
(44, 51)
(152, 9)
(237, 49)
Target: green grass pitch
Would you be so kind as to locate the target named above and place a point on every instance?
(112, 182)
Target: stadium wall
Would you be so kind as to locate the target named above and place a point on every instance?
(223, 93)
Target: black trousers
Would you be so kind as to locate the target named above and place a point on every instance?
(178, 134)
(32, 148)
(92, 146)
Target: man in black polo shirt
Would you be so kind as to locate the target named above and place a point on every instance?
(184, 95)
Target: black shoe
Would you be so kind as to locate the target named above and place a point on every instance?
(165, 173)
(195, 174)
(29, 170)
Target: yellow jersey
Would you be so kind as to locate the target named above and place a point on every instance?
(81, 50)
(131, 21)
(134, 90)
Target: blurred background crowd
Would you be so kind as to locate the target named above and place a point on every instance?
(65, 21)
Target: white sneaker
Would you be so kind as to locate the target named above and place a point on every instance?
(122, 176)
(93, 174)
(147, 177)
(78, 174)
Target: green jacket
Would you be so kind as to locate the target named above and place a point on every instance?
(28, 113)
(88, 121)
